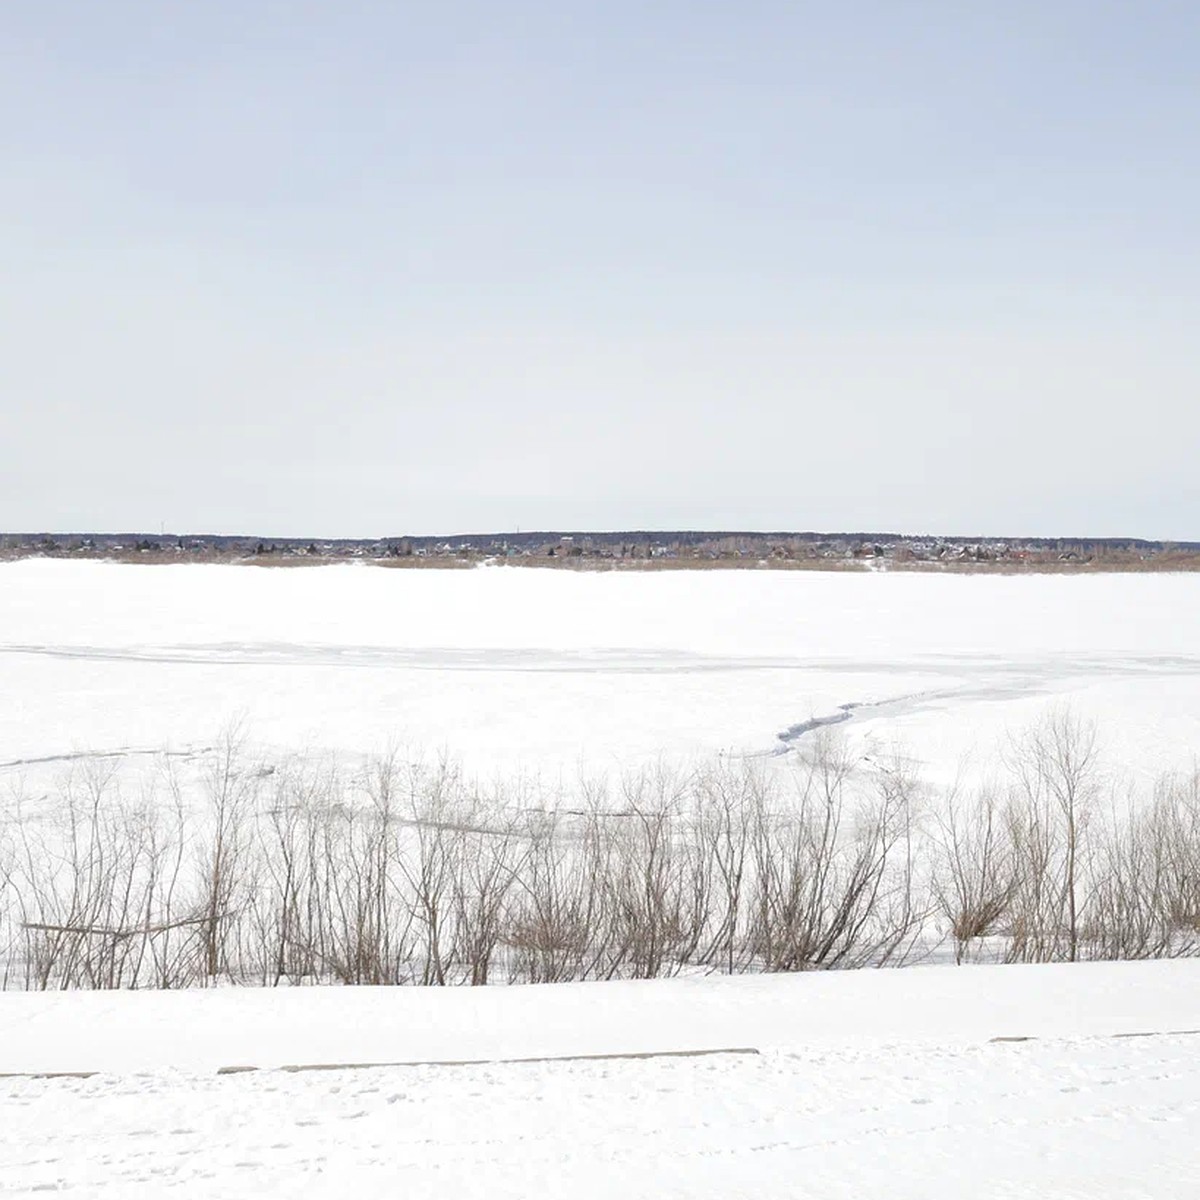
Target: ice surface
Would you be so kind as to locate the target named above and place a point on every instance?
(546, 671)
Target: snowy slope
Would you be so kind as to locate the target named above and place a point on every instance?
(207, 1030)
(866, 1084)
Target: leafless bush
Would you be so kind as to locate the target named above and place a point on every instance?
(329, 903)
(833, 878)
(1057, 782)
(492, 858)
(8, 947)
(226, 863)
(348, 927)
(285, 912)
(1146, 892)
(1127, 913)
(429, 861)
(975, 872)
(1177, 818)
(559, 925)
(95, 888)
(729, 806)
(401, 872)
(658, 891)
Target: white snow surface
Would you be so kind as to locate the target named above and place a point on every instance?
(204, 1030)
(548, 672)
(865, 1084)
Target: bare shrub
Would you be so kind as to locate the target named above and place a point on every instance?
(559, 925)
(657, 892)
(975, 874)
(1055, 766)
(1127, 914)
(286, 911)
(427, 860)
(95, 887)
(172, 920)
(1146, 891)
(400, 872)
(226, 865)
(8, 899)
(1177, 821)
(350, 927)
(729, 803)
(341, 907)
(493, 857)
(834, 876)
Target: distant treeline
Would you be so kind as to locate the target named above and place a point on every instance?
(698, 546)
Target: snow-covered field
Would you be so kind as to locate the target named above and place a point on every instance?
(845, 1084)
(547, 672)
(825, 1085)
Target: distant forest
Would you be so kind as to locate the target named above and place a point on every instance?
(629, 548)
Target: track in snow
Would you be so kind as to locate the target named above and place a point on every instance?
(1052, 1119)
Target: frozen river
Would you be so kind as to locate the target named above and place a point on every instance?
(546, 672)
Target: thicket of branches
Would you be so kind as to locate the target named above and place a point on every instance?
(290, 873)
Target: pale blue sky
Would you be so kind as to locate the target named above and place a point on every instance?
(363, 268)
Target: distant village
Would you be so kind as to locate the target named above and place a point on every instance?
(628, 549)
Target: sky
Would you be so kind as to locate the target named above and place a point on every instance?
(360, 268)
